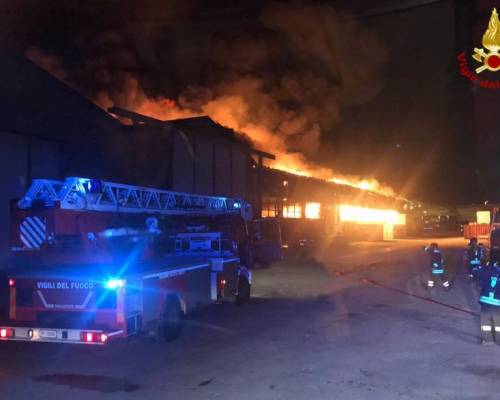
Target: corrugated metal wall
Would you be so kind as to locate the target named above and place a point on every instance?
(223, 171)
(182, 176)
(210, 168)
(239, 171)
(204, 170)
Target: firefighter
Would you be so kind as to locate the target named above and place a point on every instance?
(478, 262)
(437, 267)
(489, 298)
(474, 255)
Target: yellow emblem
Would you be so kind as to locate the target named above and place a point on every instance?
(491, 41)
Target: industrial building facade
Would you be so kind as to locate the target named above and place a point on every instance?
(48, 130)
(314, 209)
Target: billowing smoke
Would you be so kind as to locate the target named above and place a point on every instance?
(48, 62)
(282, 82)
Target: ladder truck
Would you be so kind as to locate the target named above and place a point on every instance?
(96, 261)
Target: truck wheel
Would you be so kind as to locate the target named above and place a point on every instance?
(244, 290)
(171, 320)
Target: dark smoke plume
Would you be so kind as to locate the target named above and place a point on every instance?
(282, 80)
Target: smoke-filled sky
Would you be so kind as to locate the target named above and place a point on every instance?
(296, 77)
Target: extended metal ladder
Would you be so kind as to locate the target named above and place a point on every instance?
(90, 194)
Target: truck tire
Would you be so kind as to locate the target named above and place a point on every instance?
(244, 290)
(171, 320)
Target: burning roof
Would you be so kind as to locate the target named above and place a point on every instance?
(284, 185)
(283, 84)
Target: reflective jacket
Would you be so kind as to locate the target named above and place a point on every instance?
(489, 282)
(436, 260)
(475, 254)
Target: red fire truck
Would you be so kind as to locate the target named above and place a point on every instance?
(96, 261)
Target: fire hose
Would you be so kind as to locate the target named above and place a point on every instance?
(366, 281)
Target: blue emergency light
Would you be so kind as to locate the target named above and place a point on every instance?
(90, 185)
(115, 284)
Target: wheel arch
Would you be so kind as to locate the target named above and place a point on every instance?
(245, 273)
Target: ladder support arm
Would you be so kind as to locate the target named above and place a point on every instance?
(89, 194)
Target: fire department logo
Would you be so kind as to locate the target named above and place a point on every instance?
(491, 41)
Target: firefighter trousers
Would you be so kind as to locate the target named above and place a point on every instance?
(434, 278)
(489, 318)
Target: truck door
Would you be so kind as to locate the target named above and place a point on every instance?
(266, 240)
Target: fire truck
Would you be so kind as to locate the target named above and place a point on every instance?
(96, 261)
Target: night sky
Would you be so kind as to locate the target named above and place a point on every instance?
(368, 88)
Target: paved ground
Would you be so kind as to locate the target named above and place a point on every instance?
(356, 325)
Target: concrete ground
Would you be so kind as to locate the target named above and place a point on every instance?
(357, 324)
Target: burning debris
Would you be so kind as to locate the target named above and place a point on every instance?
(282, 84)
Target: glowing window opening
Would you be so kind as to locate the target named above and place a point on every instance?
(312, 210)
(292, 211)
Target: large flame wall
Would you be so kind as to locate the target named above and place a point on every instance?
(361, 215)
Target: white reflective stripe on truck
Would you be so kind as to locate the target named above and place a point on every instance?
(66, 306)
(111, 334)
(213, 286)
(175, 272)
(180, 271)
(231, 260)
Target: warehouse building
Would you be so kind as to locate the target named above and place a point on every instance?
(48, 130)
(314, 210)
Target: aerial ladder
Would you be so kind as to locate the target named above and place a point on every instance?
(88, 207)
(76, 193)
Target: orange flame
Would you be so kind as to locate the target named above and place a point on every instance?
(230, 111)
(295, 163)
(362, 215)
